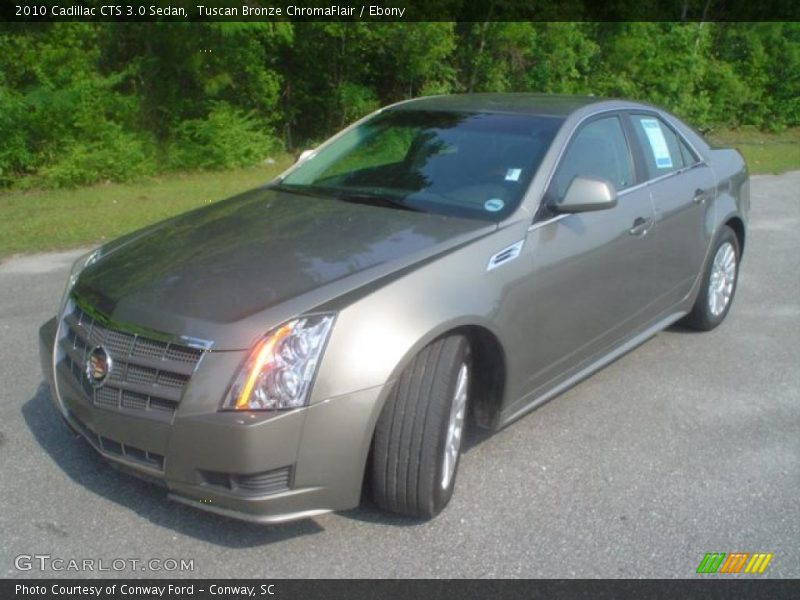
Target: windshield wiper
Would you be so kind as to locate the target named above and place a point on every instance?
(373, 200)
(353, 196)
(302, 190)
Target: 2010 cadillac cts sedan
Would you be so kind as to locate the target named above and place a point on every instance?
(444, 260)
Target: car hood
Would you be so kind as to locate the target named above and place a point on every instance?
(228, 272)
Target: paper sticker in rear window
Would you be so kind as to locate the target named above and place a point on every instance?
(657, 143)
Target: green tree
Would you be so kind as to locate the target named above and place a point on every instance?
(663, 63)
(84, 102)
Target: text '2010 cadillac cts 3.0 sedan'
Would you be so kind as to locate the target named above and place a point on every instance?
(445, 259)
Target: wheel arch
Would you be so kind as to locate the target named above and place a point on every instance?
(737, 225)
(489, 373)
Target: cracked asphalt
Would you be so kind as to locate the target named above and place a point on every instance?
(688, 444)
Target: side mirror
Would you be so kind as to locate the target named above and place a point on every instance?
(304, 155)
(584, 195)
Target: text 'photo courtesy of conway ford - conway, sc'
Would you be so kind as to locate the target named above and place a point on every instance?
(446, 262)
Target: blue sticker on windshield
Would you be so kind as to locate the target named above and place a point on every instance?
(494, 204)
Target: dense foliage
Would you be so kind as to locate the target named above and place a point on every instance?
(85, 102)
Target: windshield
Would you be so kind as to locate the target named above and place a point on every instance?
(475, 165)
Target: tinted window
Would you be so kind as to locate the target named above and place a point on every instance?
(660, 145)
(599, 151)
(689, 157)
(453, 163)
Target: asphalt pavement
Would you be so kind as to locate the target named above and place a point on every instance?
(687, 445)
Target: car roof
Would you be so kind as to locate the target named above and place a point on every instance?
(532, 104)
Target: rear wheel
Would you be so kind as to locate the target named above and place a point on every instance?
(417, 441)
(719, 284)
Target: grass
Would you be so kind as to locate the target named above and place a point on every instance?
(34, 221)
(764, 152)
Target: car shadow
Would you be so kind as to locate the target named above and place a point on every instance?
(367, 512)
(79, 461)
(678, 328)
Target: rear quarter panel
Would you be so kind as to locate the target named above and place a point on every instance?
(733, 184)
(732, 198)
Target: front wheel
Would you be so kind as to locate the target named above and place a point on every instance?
(417, 441)
(719, 284)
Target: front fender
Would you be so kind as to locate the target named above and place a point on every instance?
(376, 336)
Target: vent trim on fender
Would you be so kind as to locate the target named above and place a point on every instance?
(505, 255)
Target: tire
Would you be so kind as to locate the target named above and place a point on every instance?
(408, 470)
(705, 314)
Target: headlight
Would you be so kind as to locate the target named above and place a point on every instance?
(79, 265)
(280, 369)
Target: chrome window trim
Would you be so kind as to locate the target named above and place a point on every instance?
(566, 144)
(661, 178)
(555, 219)
(653, 181)
(692, 147)
(534, 226)
(627, 111)
(681, 138)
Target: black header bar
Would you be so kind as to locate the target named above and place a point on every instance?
(255, 11)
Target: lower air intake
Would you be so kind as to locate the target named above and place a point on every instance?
(257, 484)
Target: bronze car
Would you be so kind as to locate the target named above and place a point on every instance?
(445, 259)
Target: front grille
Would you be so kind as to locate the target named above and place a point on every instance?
(258, 484)
(148, 376)
(151, 459)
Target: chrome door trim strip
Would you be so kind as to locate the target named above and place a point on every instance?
(555, 219)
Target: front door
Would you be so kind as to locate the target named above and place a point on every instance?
(592, 281)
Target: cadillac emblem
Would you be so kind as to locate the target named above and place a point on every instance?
(98, 366)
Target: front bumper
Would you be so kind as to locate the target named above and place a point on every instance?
(254, 466)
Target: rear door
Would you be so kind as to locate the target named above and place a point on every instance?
(681, 186)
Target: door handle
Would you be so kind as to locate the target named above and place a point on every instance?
(699, 196)
(641, 226)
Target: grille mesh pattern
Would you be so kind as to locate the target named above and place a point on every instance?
(148, 376)
(150, 459)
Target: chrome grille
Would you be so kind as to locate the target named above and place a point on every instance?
(148, 376)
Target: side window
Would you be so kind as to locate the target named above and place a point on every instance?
(689, 157)
(599, 151)
(660, 145)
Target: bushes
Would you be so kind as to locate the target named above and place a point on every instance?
(85, 102)
(89, 102)
(78, 133)
(15, 155)
(225, 139)
(112, 154)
